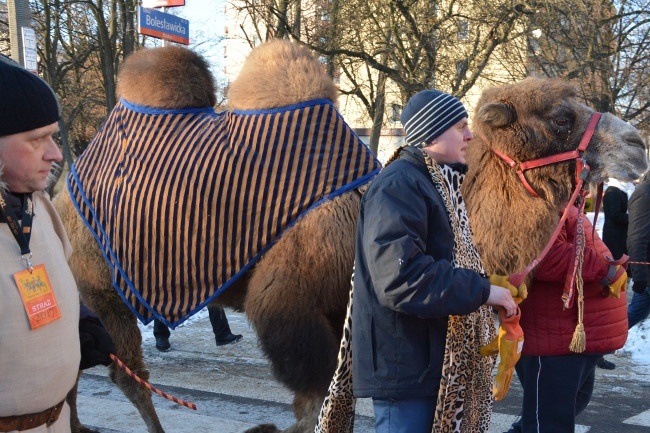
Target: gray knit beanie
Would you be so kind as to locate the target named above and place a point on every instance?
(26, 101)
(428, 114)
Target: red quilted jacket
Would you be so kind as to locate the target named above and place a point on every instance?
(548, 327)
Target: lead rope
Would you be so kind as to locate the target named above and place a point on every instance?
(150, 387)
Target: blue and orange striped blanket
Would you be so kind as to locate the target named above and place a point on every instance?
(183, 202)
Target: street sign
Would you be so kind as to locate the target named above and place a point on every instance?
(164, 26)
(162, 3)
(29, 49)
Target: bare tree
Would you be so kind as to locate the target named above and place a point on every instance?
(81, 44)
(408, 45)
(602, 46)
(4, 30)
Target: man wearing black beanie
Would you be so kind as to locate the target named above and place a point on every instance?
(39, 335)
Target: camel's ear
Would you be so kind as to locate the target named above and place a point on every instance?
(497, 114)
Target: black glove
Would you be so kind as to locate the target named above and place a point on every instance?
(96, 344)
(639, 286)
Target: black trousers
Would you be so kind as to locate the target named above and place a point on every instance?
(218, 320)
(556, 390)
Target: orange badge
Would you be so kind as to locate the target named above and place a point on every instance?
(38, 298)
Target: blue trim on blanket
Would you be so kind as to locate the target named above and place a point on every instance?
(109, 248)
(145, 109)
(346, 188)
(287, 107)
(106, 246)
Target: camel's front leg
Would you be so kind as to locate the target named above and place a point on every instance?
(122, 325)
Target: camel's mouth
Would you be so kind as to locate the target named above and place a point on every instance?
(626, 170)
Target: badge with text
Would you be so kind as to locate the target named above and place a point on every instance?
(38, 297)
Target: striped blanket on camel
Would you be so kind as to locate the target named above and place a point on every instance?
(183, 202)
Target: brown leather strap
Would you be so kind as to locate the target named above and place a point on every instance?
(31, 420)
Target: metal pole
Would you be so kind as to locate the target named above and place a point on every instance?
(164, 42)
(19, 16)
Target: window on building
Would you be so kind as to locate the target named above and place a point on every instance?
(395, 112)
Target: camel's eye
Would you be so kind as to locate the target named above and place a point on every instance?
(562, 121)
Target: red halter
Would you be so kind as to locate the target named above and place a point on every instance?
(520, 167)
(582, 169)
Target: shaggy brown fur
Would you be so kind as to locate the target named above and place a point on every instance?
(280, 73)
(296, 295)
(169, 77)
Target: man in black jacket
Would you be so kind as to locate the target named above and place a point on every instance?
(614, 231)
(638, 245)
(616, 218)
(408, 281)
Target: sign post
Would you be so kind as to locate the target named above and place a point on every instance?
(29, 49)
(163, 26)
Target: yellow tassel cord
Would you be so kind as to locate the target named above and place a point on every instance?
(579, 340)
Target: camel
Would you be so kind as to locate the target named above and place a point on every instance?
(295, 296)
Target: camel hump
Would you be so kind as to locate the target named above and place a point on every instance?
(280, 73)
(170, 77)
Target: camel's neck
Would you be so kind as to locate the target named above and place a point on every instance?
(510, 226)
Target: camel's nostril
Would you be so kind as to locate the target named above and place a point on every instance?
(633, 139)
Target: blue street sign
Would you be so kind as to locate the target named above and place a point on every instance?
(164, 26)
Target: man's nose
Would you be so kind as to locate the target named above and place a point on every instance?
(53, 152)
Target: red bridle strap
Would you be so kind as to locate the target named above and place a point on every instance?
(582, 169)
(520, 167)
(518, 278)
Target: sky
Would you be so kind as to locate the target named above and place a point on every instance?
(207, 28)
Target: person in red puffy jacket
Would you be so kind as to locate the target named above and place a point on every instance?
(558, 382)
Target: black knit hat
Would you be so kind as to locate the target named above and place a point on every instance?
(26, 101)
(428, 114)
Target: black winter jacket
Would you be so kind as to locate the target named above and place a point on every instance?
(404, 285)
(615, 225)
(638, 237)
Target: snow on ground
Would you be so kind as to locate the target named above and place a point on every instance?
(636, 348)
(637, 343)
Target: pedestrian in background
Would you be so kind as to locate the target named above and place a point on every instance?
(39, 311)
(220, 327)
(616, 218)
(638, 245)
(614, 231)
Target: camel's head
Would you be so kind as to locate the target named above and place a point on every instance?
(280, 73)
(536, 118)
(170, 77)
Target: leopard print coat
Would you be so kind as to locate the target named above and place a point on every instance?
(465, 397)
